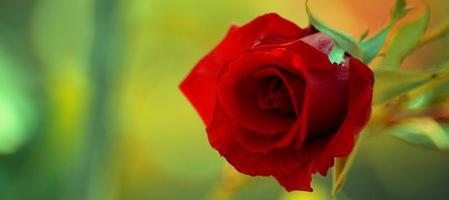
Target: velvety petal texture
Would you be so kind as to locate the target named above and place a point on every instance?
(274, 105)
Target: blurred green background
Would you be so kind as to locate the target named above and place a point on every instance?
(89, 105)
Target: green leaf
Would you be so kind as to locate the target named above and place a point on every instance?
(341, 169)
(337, 55)
(364, 35)
(422, 131)
(343, 40)
(368, 50)
(392, 83)
(405, 40)
(371, 47)
(400, 10)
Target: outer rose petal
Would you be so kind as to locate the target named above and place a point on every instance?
(327, 87)
(322, 165)
(297, 179)
(200, 85)
(258, 143)
(361, 80)
(322, 152)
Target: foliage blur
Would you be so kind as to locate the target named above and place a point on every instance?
(89, 105)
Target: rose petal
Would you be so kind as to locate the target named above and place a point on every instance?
(327, 85)
(319, 41)
(201, 84)
(323, 151)
(297, 179)
(322, 164)
(255, 143)
(258, 143)
(361, 82)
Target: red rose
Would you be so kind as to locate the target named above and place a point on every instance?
(274, 104)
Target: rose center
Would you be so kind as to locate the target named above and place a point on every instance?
(275, 97)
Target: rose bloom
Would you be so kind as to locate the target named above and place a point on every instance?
(274, 105)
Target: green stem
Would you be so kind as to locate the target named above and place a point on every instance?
(96, 175)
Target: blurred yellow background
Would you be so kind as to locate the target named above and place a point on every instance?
(90, 109)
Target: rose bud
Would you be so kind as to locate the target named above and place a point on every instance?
(275, 106)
